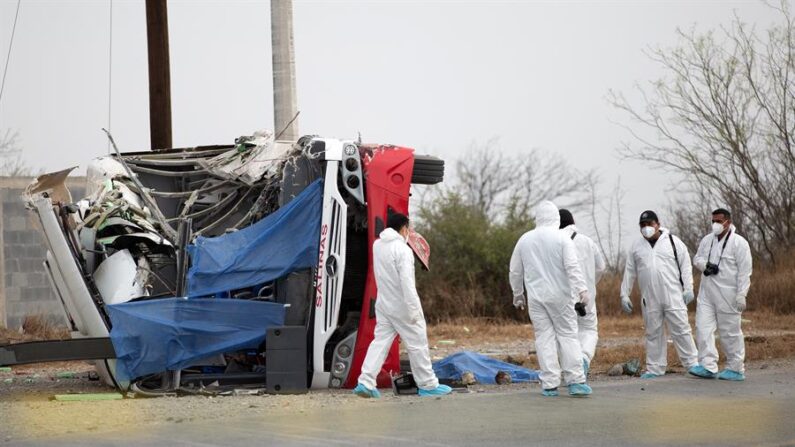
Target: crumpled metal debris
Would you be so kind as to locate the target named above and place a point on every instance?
(54, 184)
(135, 201)
(118, 278)
(255, 158)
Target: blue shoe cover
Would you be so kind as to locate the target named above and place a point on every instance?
(728, 374)
(579, 389)
(440, 390)
(649, 376)
(585, 367)
(700, 371)
(363, 391)
(552, 392)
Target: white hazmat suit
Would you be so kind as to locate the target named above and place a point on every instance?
(544, 263)
(398, 311)
(658, 275)
(592, 264)
(718, 296)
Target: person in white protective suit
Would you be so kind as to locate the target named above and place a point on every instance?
(398, 311)
(592, 264)
(544, 264)
(661, 263)
(724, 257)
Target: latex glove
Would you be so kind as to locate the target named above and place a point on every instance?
(626, 304)
(585, 297)
(740, 303)
(688, 296)
(417, 317)
(518, 302)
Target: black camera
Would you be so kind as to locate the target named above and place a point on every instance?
(580, 308)
(712, 269)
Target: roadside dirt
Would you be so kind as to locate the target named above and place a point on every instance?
(28, 411)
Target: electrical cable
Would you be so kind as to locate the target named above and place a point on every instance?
(8, 56)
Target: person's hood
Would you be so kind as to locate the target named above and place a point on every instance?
(547, 215)
(389, 235)
(571, 229)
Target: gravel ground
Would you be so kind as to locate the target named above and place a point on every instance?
(29, 412)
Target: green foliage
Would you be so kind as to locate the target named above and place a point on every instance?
(470, 253)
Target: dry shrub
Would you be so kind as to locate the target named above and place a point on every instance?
(608, 292)
(34, 327)
(773, 286)
(772, 289)
(39, 327)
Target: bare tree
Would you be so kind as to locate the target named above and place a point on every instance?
(689, 216)
(11, 163)
(723, 117)
(607, 223)
(499, 184)
(485, 175)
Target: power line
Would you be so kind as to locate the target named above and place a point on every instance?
(10, 45)
(110, 67)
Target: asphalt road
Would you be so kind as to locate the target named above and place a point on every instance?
(673, 410)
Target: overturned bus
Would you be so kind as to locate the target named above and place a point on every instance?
(208, 268)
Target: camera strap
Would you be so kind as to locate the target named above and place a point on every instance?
(711, 244)
(573, 235)
(676, 258)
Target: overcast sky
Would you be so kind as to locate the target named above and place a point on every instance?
(431, 75)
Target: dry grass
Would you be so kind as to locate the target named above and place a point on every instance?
(34, 327)
(768, 336)
(772, 289)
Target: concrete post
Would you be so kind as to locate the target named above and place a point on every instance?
(285, 102)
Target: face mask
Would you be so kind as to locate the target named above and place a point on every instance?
(647, 232)
(717, 228)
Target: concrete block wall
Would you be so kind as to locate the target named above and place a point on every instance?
(26, 289)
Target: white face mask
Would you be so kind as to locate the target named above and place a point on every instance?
(648, 232)
(717, 228)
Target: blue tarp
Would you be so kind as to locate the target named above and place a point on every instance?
(484, 368)
(169, 334)
(281, 243)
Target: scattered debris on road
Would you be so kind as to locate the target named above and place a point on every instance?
(87, 397)
(616, 370)
(631, 367)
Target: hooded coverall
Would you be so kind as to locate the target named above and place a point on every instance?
(658, 274)
(592, 264)
(544, 264)
(397, 312)
(717, 299)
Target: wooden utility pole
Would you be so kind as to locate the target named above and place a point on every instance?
(285, 102)
(159, 74)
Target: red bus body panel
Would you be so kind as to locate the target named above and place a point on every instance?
(387, 172)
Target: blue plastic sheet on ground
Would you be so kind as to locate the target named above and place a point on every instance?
(281, 243)
(170, 334)
(484, 368)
